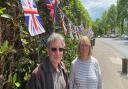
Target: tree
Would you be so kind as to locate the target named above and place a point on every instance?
(122, 14)
(107, 23)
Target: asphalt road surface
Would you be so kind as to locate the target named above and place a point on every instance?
(109, 53)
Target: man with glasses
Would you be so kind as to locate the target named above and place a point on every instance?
(51, 73)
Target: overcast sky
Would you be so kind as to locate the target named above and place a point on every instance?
(97, 7)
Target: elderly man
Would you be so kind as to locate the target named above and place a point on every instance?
(51, 73)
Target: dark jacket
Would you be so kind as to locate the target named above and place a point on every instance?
(42, 77)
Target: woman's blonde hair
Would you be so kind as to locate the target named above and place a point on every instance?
(88, 42)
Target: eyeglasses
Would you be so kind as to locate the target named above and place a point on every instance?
(55, 49)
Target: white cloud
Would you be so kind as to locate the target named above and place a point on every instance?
(98, 3)
(96, 7)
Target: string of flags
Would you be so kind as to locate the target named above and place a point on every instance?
(33, 21)
(62, 22)
(90, 33)
(51, 7)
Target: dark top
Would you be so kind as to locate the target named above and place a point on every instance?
(42, 76)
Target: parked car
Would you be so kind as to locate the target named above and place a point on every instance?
(112, 35)
(124, 37)
(98, 36)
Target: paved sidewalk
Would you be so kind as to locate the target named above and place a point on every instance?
(111, 66)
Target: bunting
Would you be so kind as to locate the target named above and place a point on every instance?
(51, 7)
(90, 33)
(63, 24)
(75, 33)
(71, 32)
(32, 18)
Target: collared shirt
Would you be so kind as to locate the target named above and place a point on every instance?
(58, 79)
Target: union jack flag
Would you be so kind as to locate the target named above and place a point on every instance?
(32, 18)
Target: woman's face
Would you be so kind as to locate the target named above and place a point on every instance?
(84, 49)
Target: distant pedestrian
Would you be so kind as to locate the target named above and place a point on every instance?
(85, 69)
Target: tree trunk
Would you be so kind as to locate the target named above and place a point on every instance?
(122, 27)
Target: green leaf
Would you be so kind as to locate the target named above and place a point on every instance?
(24, 41)
(27, 76)
(4, 47)
(2, 10)
(17, 84)
(6, 16)
(14, 77)
(9, 4)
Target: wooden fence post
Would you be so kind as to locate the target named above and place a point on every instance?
(124, 65)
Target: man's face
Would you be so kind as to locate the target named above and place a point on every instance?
(55, 52)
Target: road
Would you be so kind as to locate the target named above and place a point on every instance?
(109, 53)
(119, 45)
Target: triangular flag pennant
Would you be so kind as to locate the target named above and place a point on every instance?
(71, 32)
(90, 33)
(75, 33)
(32, 18)
(63, 23)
